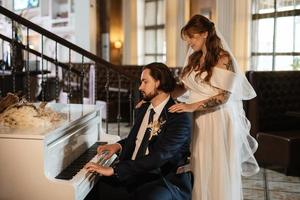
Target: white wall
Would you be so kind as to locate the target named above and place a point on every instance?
(85, 24)
(129, 17)
(175, 20)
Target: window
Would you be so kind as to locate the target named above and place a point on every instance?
(275, 35)
(154, 31)
(25, 4)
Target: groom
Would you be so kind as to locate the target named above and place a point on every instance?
(154, 153)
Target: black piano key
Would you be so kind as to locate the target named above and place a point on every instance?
(79, 163)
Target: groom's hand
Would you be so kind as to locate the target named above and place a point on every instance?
(110, 149)
(95, 168)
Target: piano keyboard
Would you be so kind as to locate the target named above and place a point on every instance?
(57, 167)
(78, 164)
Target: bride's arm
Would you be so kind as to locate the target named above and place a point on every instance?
(206, 105)
(223, 96)
(212, 102)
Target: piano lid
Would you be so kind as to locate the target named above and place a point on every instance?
(72, 113)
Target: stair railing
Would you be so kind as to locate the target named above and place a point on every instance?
(71, 70)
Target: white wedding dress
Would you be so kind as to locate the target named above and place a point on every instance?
(222, 149)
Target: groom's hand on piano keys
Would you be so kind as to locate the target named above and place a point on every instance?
(109, 149)
(96, 168)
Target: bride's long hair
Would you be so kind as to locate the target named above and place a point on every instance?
(200, 24)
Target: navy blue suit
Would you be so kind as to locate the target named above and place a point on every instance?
(153, 176)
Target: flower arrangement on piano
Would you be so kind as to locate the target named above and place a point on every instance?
(155, 127)
(19, 113)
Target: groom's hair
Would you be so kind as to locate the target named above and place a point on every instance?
(162, 73)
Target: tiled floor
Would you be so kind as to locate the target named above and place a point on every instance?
(271, 185)
(113, 129)
(266, 185)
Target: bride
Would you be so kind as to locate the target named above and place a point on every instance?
(222, 148)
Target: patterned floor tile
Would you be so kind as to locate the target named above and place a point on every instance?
(113, 129)
(274, 195)
(254, 184)
(258, 176)
(284, 186)
(280, 177)
(254, 194)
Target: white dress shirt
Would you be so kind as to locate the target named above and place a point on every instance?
(144, 124)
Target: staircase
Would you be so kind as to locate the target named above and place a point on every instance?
(46, 78)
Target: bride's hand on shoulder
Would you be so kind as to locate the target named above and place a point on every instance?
(182, 107)
(139, 104)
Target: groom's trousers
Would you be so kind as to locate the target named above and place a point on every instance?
(177, 187)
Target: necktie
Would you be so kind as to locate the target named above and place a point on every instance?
(142, 150)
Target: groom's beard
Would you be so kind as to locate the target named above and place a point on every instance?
(150, 96)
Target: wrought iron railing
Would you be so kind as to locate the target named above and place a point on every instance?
(91, 79)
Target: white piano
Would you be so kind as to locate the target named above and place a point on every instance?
(47, 163)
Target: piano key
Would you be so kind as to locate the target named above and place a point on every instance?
(70, 171)
(84, 175)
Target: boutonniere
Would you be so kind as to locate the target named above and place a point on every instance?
(155, 127)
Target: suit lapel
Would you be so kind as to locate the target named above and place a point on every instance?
(165, 112)
(131, 139)
(163, 117)
(140, 117)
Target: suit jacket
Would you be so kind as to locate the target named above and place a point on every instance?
(167, 151)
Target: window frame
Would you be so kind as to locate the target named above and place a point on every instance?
(154, 28)
(275, 14)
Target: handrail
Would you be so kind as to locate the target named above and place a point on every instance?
(62, 41)
(63, 65)
(101, 68)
